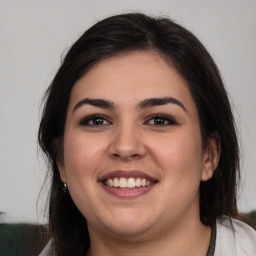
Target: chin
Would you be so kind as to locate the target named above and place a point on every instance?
(128, 224)
(128, 231)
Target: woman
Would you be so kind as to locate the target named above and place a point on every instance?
(142, 146)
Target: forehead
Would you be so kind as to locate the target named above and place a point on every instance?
(131, 76)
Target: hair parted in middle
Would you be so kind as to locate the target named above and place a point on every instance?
(121, 34)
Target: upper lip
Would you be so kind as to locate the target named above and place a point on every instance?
(126, 174)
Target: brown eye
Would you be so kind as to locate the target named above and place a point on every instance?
(161, 120)
(94, 120)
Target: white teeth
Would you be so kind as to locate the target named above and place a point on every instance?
(123, 183)
(131, 183)
(138, 182)
(127, 182)
(116, 182)
(110, 183)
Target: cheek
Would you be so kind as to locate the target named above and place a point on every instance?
(180, 156)
(82, 158)
(81, 151)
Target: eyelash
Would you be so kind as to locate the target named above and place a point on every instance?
(161, 118)
(164, 120)
(93, 118)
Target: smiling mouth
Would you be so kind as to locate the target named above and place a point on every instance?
(127, 183)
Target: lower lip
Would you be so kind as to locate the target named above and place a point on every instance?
(128, 192)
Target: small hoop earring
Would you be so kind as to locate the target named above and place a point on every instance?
(65, 188)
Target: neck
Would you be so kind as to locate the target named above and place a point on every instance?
(189, 238)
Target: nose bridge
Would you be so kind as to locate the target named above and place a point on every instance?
(127, 141)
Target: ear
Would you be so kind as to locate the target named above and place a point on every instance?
(57, 145)
(211, 156)
(62, 172)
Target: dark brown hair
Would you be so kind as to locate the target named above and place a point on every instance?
(127, 33)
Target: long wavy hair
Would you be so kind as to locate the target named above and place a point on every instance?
(128, 33)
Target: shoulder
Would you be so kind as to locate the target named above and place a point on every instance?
(234, 238)
(46, 250)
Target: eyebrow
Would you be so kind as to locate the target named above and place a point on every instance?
(147, 103)
(152, 102)
(94, 102)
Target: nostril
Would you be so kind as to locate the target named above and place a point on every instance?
(115, 155)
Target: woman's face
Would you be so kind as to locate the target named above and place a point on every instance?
(133, 157)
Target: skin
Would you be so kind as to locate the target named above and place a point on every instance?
(164, 221)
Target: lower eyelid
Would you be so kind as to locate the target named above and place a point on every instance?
(85, 121)
(170, 120)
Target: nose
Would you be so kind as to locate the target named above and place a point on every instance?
(127, 144)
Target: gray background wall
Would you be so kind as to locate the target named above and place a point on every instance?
(33, 35)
